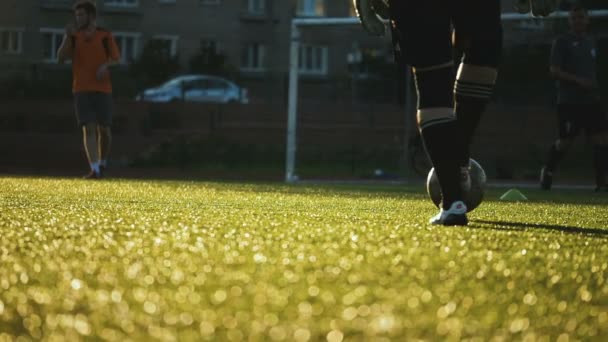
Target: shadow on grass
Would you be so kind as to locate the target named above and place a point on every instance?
(519, 226)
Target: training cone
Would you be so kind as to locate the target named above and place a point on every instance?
(513, 195)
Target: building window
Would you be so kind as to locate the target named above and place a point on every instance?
(256, 6)
(121, 3)
(11, 41)
(128, 44)
(311, 8)
(51, 41)
(170, 43)
(313, 60)
(253, 57)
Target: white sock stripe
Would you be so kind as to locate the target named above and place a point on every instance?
(435, 67)
(462, 81)
(472, 92)
(477, 96)
(425, 115)
(471, 86)
(477, 74)
(459, 90)
(430, 123)
(474, 89)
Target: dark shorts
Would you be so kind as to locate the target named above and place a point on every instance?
(93, 107)
(572, 118)
(422, 30)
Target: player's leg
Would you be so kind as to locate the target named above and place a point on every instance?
(89, 133)
(423, 29)
(85, 114)
(568, 130)
(597, 130)
(104, 132)
(439, 131)
(478, 35)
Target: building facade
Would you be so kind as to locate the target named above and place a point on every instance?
(253, 35)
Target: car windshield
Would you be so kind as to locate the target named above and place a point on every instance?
(173, 83)
(210, 83)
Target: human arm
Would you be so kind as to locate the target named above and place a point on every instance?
(66, 49)
(113, 56)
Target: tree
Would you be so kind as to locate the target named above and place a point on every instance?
(208, 61)
(156, 64)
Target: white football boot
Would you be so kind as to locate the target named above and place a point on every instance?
(455, 216)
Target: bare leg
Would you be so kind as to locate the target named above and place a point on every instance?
(90, 142)
(89, 133)
(104, 135)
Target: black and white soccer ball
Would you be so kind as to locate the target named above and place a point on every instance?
(472, 198)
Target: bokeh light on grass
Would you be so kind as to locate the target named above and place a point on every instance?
(126, 260)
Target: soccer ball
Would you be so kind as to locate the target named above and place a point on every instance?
(472, 198)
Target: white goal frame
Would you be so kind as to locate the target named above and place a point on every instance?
(292, 105)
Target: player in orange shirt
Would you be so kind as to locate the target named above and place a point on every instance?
(92, 51)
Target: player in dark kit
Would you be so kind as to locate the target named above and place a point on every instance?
(451, 99)
(573, 64)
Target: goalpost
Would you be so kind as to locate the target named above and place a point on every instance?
(292, 106)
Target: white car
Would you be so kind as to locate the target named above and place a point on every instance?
(196, 88)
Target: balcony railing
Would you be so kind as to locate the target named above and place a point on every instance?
(56, 4)
(102, 6)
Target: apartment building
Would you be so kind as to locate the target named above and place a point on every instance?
(253, 34)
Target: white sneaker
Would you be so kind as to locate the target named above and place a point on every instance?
(455, 216)
(465, 179)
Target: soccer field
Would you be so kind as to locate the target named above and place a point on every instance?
(186, 261)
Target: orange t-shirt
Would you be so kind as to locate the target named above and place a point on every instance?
(88, 55)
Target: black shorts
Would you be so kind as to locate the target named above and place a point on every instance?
(422, 29)
(572, 118)
(93, 107)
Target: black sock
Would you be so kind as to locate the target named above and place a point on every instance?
(555, 156)
(472, 90)
(438, 127)
(468, 112)
(437, 143)
(600, 163)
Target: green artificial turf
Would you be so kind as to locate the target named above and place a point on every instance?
(187, 261)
